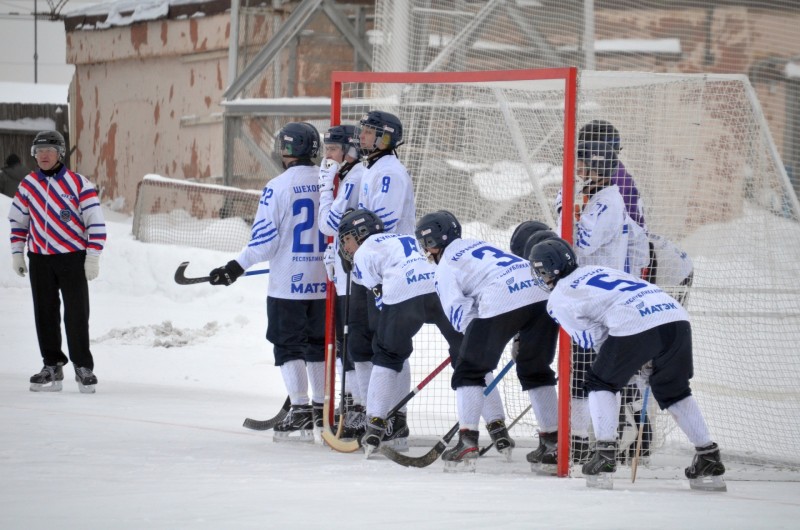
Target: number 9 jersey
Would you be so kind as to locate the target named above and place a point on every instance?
(595, 302)
(286, 233)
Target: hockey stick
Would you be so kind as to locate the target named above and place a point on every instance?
(181, 279)
(642, 421)
(265, 425)
(345, 331)
(486, 449)
(433, 455)
(354, 445)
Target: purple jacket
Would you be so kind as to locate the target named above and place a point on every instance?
(627, 187)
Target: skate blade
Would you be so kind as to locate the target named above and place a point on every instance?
(708, 484)
(466, 465)
(86, 389)
(318, 436)
(369, 450)
(505, 453)
(55, 386)
(303, 435)
(546, 470)
(400, 445)
(601, 481)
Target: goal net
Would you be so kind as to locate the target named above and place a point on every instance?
(494, 149)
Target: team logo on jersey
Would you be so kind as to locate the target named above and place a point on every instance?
(514, 286)
(297, 277)
(64, 215)
(657, 308)
(413, 278)
(298, 287)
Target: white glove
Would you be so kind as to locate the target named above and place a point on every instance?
(515, 347)
(91, 266)
(327, 172)
(557, 203)
(18, 264)
(329, 258)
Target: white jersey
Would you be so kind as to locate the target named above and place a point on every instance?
(638, 248)
(674, 265)
(331, 211)
(476, 280)
(387, 190)
(595, 302)
(285, 233)
(394, 261)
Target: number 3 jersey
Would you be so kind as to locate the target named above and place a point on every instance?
(595, 302)
(394, 261)
(285, 233)
(476, 280)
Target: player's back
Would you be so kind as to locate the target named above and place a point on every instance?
(387, 190)
(394, 261)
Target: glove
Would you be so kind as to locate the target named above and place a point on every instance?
(91, 266)
(18, 264)
(329, 258)
(378, 292)
(557, 203)
(226, 275)
(327, 173)
(515, 347)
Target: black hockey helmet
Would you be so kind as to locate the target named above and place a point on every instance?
(360, 224)
(341, 134)
(299, 140)
(49, 139)
(601, 131)
(535, 239)
(388, 130)
(437, 230)
(552, 260)
(599, 157)
(521, 234)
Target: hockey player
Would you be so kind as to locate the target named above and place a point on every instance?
(341, 160)
(285, 232)
(489, 297)
(56, 212)
(629, 322)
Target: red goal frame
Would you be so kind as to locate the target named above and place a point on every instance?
(570, 78)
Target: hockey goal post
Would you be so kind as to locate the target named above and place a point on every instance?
(494, 147)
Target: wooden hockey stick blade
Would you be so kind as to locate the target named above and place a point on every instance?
(421, 461)
(181, 279)
(486, 449)
(265, 425)
(350, 446)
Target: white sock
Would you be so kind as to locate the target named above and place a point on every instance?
(296, 381)
(382, 388)
(580, 418)
(402, 386)
(316, 375)
(363, 372)
(544, 402)
(687, 415)
(493, 403)
(604, 408)
(470, 403)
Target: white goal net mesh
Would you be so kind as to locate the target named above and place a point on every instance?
(710, 181)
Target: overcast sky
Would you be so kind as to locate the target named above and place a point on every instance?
(17, 43)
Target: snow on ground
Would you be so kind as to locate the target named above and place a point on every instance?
(161, 444)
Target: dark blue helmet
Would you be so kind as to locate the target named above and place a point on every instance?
(388, 130)
(437, 230)
(521, 234)
(599, 156)
(341, 134)
(360, 224)
(552, 260)
(601, 131)
(535, 239)
(49, 139)
(299, 140)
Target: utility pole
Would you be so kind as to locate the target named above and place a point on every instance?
(35, 41)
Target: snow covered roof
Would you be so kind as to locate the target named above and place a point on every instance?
(33, 93)
(126, 12)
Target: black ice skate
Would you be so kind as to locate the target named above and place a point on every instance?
(373, 435)
(316, 415)
(706, 470)
(48, 380)
(600, 468)
(396, 433)
(579, 449)
(544, 459)
(355, 423)
(503, 441)
(86, 380)
(297, 426)
(464, 455)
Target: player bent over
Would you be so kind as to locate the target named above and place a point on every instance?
(629, 322)
(490, 297)
(402, 280)
(285, 233)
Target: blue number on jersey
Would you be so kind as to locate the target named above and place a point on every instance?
(409, 244)
(480, 253)
(385, 184)
(348, 189)
(266, 195)
(298, 207)
(599, 282)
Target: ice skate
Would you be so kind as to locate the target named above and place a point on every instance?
(396, 433)
(86, 380)
(503, 441)
(706, 470)
(464, 455)
(297, 426)
(376, 427)
(48, 380)
(544, 459)
(579, 449)
(355, 423)
(316, 415)
(599, 470)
